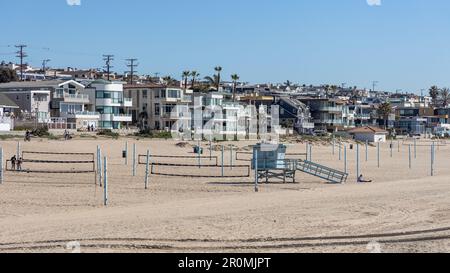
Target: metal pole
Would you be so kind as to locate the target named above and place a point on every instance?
(223, 173)
(340, 151)
(415, 148)
(307, 151)
(18, 150)
(199, 155)
(126, 153)
(210, 149)
(146, 169)
(231, 157)
(99, 164)
(134, 159)
(256, 171)
(105, 181)
(1, 166)
(345, 159)
(378, 154)
(398, 145)
(367, 150)
(392, 144)
(432, 159)
(409, 155)
(357, 161)
(310, 152)
(334, 144)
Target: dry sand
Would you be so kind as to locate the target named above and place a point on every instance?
(403, 210)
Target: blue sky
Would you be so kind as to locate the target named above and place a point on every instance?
(403, 44)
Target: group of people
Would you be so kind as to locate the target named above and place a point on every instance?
(91, 128)
(16, 164)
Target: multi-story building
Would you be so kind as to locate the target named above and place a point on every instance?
(110, 104)
(153, 104)
(295, 114)
(33, 99)
(327, 114)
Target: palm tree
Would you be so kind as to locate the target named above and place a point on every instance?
(194, 75)
(185, 77)
(143, 116)
(235, 78)
(434, 94)
(212, 81)
(445, 96)
(385, 110)
(218, 69)
(168, 80)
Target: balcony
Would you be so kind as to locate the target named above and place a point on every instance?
(122, 118)
(75, 98)
(127, 102)
(81, 115)
(329, 121)
(330, 109)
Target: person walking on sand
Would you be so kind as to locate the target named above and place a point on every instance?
(19, 164)
(13, 163)
(362, 180)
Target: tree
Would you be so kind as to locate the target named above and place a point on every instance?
(434, 94)
(185, 76)
(218, 69)
(235, 78)
(169, 80)
(213, 81)
(194, 75)
(445, 96)
(384, 110)
(8, 75)
(142, 117)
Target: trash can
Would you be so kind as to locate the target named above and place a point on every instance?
(124, 154)
(198, 150)
(351, 146)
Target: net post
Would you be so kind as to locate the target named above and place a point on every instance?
(147, 169)
(357, 161)
(231, 156)
(126, 153)
(345, 159)
(105, 181)
(256, 171)
(367, 150)
(134, 159)
(378, 154)
(223, 173)
(199, 155)
(409, 155)
(415, 148)
(1, 166)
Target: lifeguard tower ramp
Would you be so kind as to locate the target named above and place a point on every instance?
(323, 172)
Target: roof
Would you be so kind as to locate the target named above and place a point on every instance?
(7, 102)
(30, 84)
(367, 130)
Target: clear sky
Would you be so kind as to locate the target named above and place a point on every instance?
(403, 44)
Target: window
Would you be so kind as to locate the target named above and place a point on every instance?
(144, 94)
(172, 93)
(157, 110)
(163, 93)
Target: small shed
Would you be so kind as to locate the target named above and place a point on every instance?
(369, 133)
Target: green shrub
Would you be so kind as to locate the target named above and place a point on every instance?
(108, 133)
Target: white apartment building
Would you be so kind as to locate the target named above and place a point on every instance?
(107, 99)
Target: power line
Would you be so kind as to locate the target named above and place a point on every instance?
(108, 66)
(132, 65)
(21, 54)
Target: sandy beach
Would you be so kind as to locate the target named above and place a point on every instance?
(403, 210)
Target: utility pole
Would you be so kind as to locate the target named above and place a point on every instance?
(108, 66)
(21, 54)
(132, 65)
(44, 65)
(374, 84)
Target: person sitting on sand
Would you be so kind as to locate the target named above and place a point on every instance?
(362, 180)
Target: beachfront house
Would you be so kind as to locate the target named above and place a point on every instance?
(368, 133)
(7, 108)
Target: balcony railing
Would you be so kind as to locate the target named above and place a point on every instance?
(330, 109)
